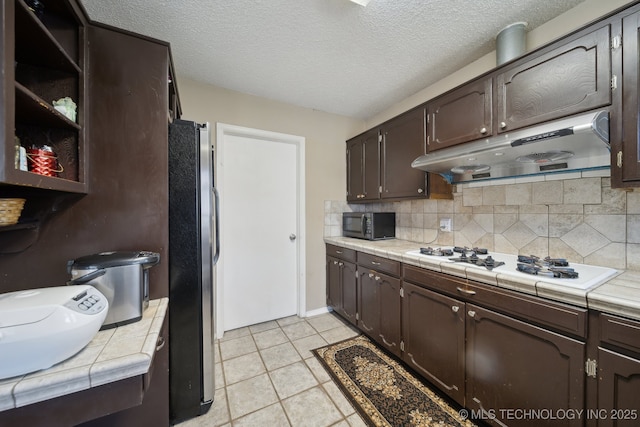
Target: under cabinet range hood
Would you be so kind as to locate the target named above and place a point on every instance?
(575, 143)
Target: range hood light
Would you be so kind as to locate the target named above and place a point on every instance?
(471, 169)
(548, 157)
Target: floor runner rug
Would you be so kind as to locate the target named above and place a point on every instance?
(382, 390)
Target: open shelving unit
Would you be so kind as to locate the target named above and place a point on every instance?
(43, 59)
(47, 64)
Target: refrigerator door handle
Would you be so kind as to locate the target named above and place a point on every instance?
(216, 202)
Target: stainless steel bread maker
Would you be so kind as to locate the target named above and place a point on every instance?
(123, 277)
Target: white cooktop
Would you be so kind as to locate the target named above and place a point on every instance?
(589, 276)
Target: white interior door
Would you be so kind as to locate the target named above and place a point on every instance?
(259, 201)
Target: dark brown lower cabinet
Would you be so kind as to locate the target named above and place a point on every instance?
(519, 374)
(433, 331)
(379, 308)
(510, 359)
(349, 292)
(369, 308)
(618, 390)
(390, 306)
(342, 288)
(618, 371)
(334, 291)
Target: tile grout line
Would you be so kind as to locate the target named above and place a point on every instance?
(318, 384)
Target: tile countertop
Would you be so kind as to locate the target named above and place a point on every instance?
(113, 355)
(619, 295)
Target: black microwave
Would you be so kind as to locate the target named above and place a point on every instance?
(369, 225)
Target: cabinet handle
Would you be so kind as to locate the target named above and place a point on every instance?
(371, 275)
(503, 125)
(420, 190)
(483, 130)
(375, 263)
(472, 313)
(377, 278)
(338, 252)
(465, 291)
(335, 262)
(160, 343)
(455, 308)
(340, 264)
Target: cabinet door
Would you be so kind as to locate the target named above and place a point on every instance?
(334, 291)
(573, 78)
(363, 167)
(618, 389)
(625, 169)
(349, 284)
(369, 307)
(513, 365)
(403, 140)
(390, 302)
(460, 116)
(355, 169)
(433, 335)
(371, 161)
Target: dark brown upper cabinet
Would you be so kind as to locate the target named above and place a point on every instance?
(379, 162)
(43, 60)
(363, 167)
(572, 78)
(462, 115)
(403, 140)
(625, 165)
(552, 83)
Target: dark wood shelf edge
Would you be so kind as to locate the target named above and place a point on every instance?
(42, 109)
(29, 179)
(27, 225)
(18, 238)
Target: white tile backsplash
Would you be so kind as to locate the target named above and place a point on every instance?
(576, 216)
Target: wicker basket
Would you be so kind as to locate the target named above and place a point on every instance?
(10, 210)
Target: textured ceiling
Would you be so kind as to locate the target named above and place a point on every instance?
(329, 55)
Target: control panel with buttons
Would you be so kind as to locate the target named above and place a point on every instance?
(89, 301)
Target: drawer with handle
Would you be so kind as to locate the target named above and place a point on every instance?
(620, 332)
(377, 263)
(554, 315)
(342, 253)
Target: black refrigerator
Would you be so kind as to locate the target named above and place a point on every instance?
(194, 248)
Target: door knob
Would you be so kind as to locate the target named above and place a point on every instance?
(292, 237)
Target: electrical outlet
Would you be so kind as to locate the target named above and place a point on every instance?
(445, 224)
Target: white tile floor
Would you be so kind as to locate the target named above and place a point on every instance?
(266, 375)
